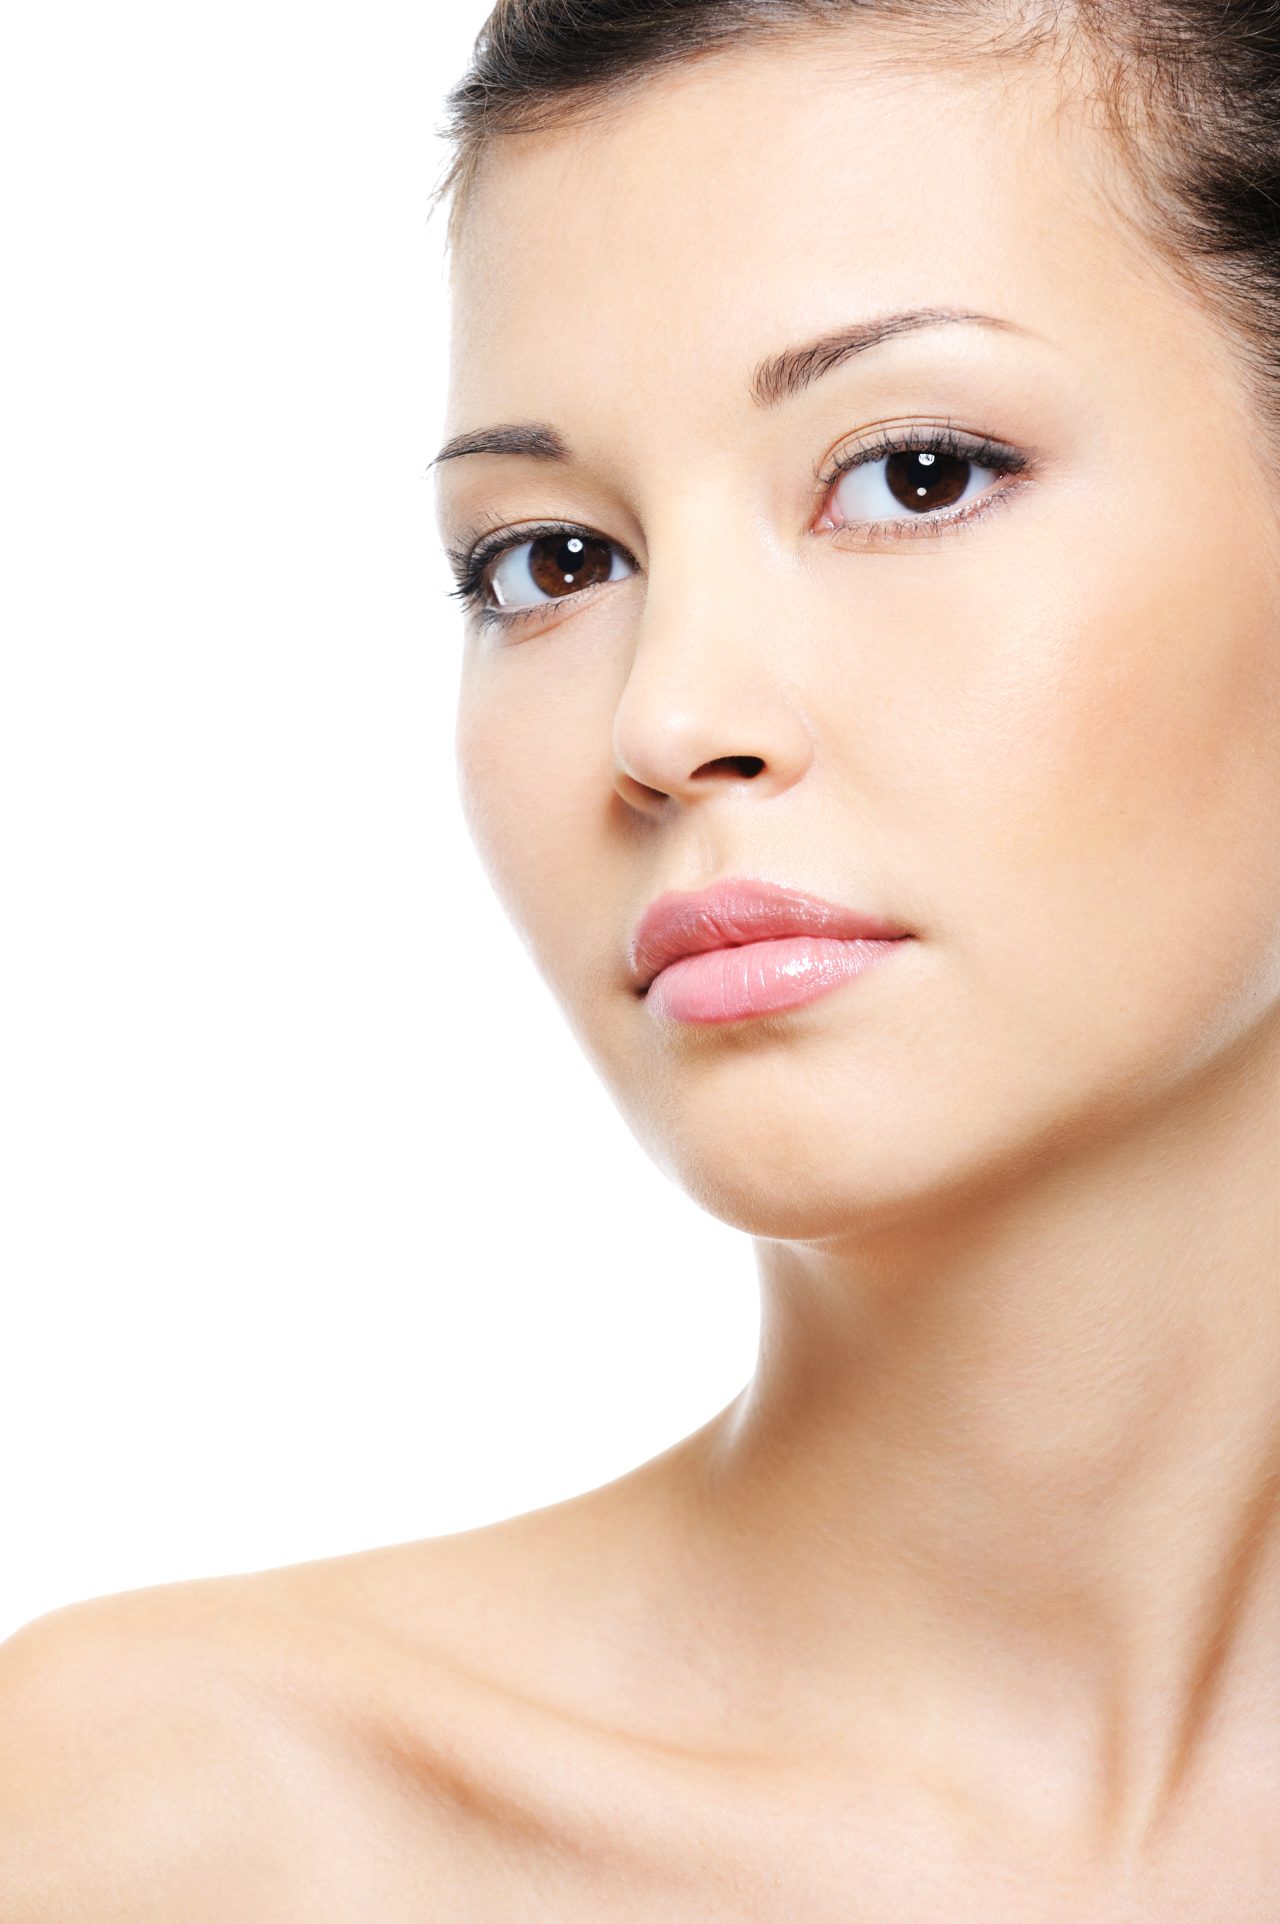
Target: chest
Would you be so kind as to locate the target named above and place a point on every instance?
(442, 1863)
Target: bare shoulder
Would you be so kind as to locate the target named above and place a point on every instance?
(123, 1741)
(181, 1752)
(322, 1739)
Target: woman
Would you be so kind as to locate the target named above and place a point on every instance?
(862, 480)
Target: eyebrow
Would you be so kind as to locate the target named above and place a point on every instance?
(773, 381)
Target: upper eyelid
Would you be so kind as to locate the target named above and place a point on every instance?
(487, 548)
(919, 435)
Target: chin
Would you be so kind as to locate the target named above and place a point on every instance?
(788, 1173)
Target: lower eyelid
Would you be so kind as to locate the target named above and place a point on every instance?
(499, 617)
(925, 526)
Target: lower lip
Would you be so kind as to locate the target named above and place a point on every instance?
(760, 978)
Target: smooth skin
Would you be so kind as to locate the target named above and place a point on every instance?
(968, 1607)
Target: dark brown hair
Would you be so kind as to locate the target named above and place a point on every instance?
(1189, 91)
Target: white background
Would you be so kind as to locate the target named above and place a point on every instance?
(316, 1230)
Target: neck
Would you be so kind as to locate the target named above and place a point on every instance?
(1007, 1485)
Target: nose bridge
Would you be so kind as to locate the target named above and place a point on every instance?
(706, 544)
(711, 685)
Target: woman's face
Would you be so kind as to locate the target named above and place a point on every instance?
(1043, 737)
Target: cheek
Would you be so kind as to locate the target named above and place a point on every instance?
(483, 786)
(499, 786)
(1130, 804)
(535, 788)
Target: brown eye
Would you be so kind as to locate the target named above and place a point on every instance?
(555, 566)
(919, 479)
(905, 484)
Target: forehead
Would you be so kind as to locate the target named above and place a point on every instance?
(747, 199)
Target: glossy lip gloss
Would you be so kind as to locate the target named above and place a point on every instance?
(746, 947)
(760, 978)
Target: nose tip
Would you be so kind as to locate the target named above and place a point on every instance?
(709, 699)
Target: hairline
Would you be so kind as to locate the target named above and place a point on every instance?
(907, 46)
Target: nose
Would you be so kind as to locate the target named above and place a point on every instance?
(710, 699)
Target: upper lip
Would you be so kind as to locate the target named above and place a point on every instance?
(737, 910)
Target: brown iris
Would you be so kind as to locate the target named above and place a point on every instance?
(921, 479)
(561, 564)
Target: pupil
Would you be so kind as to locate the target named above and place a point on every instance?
(921, 479)
(560, 564)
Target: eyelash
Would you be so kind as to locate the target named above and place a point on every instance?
(472, 558)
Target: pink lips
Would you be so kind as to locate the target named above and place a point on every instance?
(745, 947)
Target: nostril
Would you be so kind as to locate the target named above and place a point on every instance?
(732, 765)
